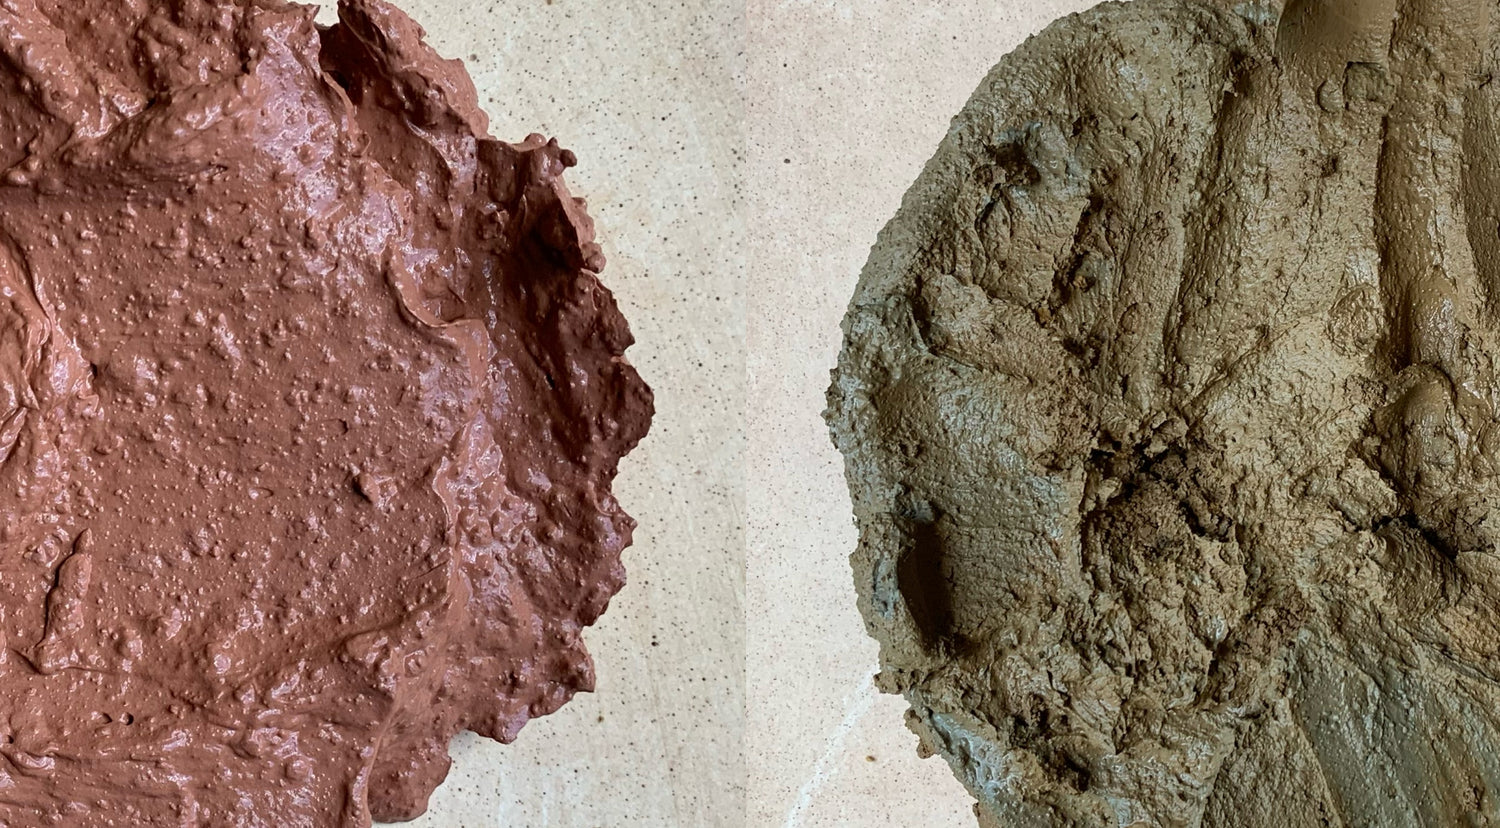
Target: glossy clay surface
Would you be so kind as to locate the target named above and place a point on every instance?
(312, 401)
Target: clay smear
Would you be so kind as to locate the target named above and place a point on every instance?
(310, 400)
(1168, 401)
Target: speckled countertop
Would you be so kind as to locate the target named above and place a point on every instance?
(649, 94)
(846, 102)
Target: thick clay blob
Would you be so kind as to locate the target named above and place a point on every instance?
(1169, 408)
(310, 401)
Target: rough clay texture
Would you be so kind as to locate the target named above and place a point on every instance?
(310, 400)
(1168, 403)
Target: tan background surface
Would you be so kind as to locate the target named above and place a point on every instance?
(846, 102)
(821, 114)
(649, 96)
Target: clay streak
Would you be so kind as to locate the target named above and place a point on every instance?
(825, 768)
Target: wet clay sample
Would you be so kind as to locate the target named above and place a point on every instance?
(1169, 408)
(310, 400)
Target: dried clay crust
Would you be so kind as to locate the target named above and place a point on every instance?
(1168, 404)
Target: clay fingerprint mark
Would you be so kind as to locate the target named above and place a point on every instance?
(924, 585)
(1185, 343)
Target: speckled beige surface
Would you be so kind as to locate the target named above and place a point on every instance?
(649, 95)
(846, 101)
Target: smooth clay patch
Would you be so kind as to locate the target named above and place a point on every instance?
(1168, 408)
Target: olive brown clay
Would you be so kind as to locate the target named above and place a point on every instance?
(310, 401)
(1168, 401)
